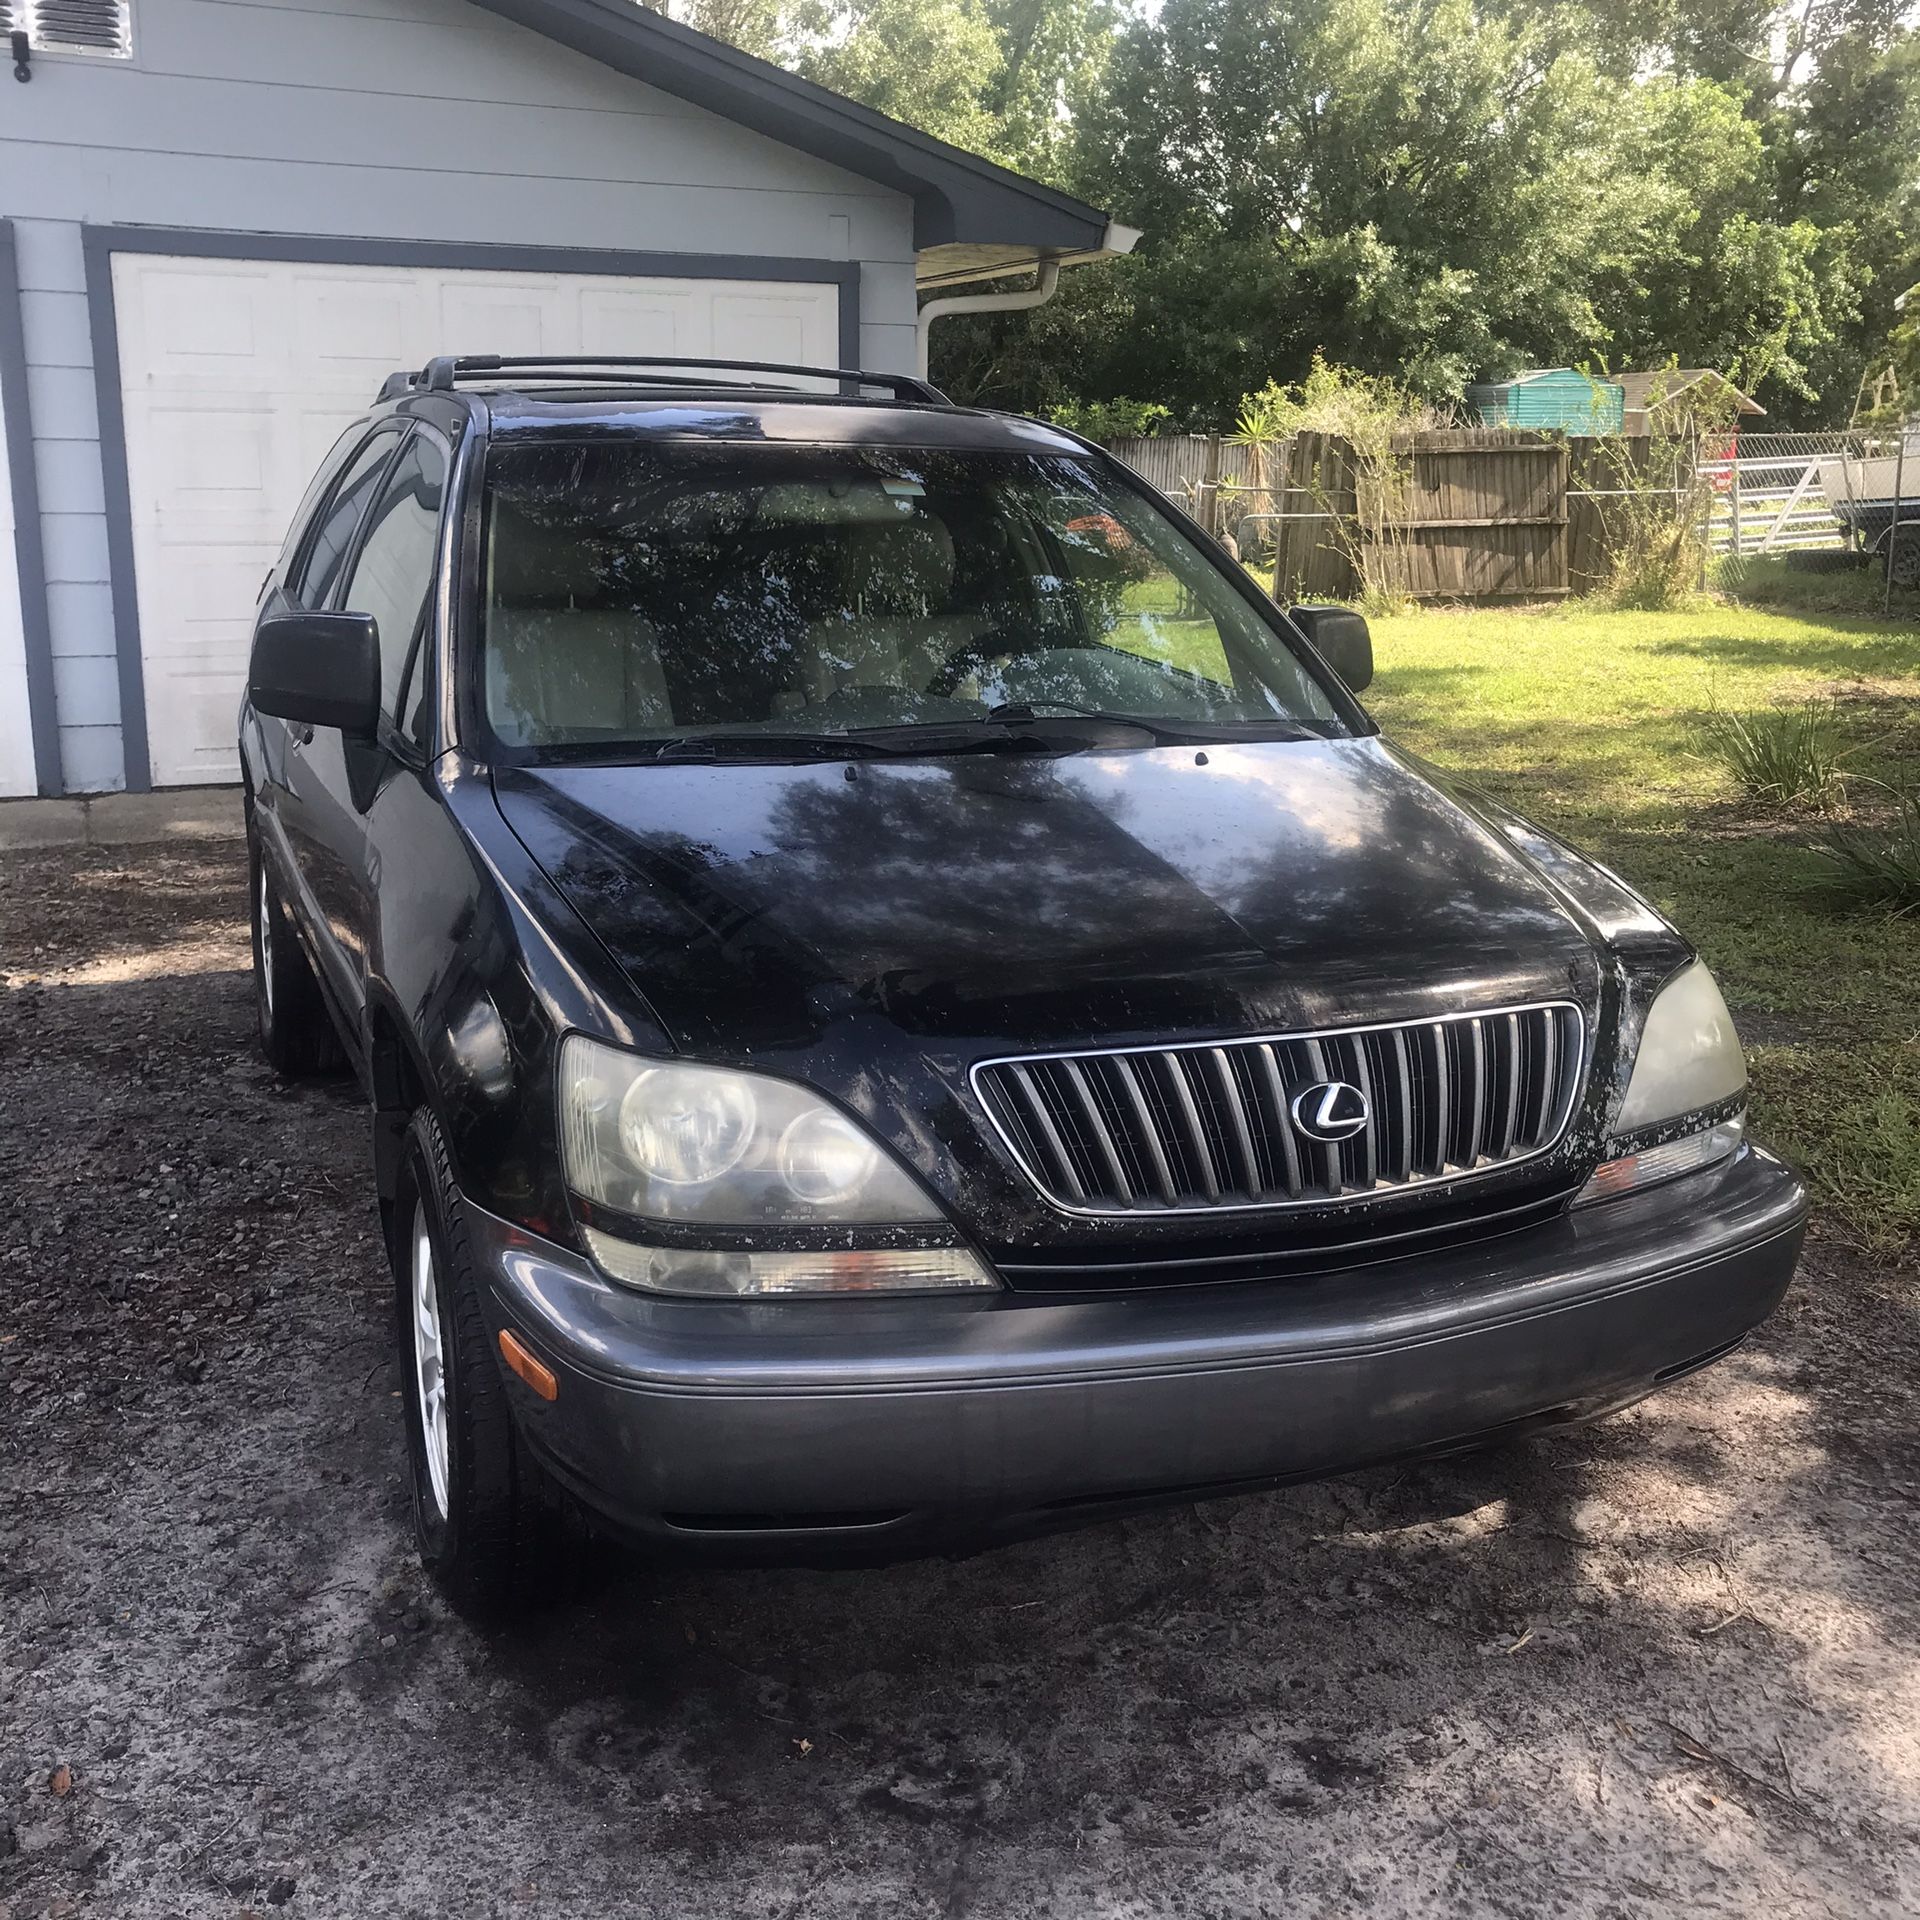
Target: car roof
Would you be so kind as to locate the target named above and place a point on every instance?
(705, 414)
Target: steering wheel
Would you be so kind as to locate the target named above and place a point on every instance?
(975, 657)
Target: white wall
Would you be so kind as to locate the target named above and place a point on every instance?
(388, 119)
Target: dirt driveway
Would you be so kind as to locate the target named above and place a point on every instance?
(1669, 1666)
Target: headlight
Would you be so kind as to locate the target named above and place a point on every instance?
(1688, 1064)
(682, 1127)
(708, 1146)
(1689, 1057)
(1690, 1153)
(707, 1271)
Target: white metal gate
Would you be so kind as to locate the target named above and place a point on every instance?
(1768, 499)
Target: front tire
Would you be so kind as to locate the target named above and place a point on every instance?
(487, 1520)
(296, 1033)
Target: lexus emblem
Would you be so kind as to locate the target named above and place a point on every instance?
(1329, 1110)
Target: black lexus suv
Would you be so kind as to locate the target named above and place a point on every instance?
(903, 999)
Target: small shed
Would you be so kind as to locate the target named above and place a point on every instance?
(1673, 396)
(1550, 397)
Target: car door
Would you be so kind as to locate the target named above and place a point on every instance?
(310, 782)
(321, 824)
(391, 577)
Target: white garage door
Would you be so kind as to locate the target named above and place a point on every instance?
(238, 375)
(16, 737)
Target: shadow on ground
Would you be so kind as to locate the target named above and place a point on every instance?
(1666, 1665)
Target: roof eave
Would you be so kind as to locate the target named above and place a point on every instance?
(958, 198)
(943, 269)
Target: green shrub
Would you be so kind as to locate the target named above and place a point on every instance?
(1779, 754)
(1109, 420)
(1655, 567)
(1877, 863)
(1656, 497)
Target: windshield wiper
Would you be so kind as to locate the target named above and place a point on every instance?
(1012, 727)
(862, 743)
(749, 746)
(1167, 730)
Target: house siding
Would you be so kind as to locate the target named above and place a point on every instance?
(257, 117)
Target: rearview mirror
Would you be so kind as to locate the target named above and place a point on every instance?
(319, 668)
(1341, 639)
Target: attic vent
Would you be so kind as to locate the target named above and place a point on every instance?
(72, 26)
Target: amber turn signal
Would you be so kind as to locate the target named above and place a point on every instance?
(535, 1373)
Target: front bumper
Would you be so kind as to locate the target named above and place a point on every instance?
(868, 1426)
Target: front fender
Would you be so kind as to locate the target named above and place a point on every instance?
(478, 968)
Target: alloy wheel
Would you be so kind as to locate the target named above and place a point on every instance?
(429, 1360)
(263, 913)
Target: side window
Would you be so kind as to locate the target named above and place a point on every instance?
(318, 488)
(313, 580)
(393, 573)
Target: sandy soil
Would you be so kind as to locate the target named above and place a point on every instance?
(1667, 1666)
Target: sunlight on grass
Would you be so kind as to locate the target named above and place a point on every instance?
(1588, 720)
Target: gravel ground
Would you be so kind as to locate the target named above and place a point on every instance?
(1669, 1665)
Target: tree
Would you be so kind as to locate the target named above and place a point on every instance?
(754, 26)
(932, 63)
(1440, 190)
(935, 64)
(1053, 65)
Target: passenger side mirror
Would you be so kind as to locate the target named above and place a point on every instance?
(319, 668)
(1341, 639)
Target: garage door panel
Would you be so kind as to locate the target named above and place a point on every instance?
(348, 327)
(617, 320)
(192, 323)
(508, 319)
(222, 580)
(220, 504)
(758, 336)
(237, 377)
(215, 458)
(751, 323)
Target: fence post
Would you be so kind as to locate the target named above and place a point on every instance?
(1210, 516)
(1894, 542)
(1733, 499)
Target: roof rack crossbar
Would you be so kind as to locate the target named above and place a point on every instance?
(674, 383)
(441, 374)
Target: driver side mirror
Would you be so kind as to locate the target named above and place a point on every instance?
(1341, 639)
(321, 669)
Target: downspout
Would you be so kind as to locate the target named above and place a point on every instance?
(1040, 292)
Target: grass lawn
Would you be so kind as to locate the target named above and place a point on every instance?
(1583, 718)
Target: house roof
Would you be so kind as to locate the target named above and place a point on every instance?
(962, 205)
(1671, 382)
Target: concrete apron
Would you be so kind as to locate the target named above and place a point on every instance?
(122, 819)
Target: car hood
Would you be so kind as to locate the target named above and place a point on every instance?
(1006, 900)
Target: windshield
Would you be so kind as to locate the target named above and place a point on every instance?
(643, 591)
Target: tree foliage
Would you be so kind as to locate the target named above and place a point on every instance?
(1436, 190)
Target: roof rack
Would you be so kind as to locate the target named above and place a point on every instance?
(443, 374)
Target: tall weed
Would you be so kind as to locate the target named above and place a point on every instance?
(1779, 754)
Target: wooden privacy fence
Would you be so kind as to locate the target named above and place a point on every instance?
(1454, 513)
(1213, 479)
